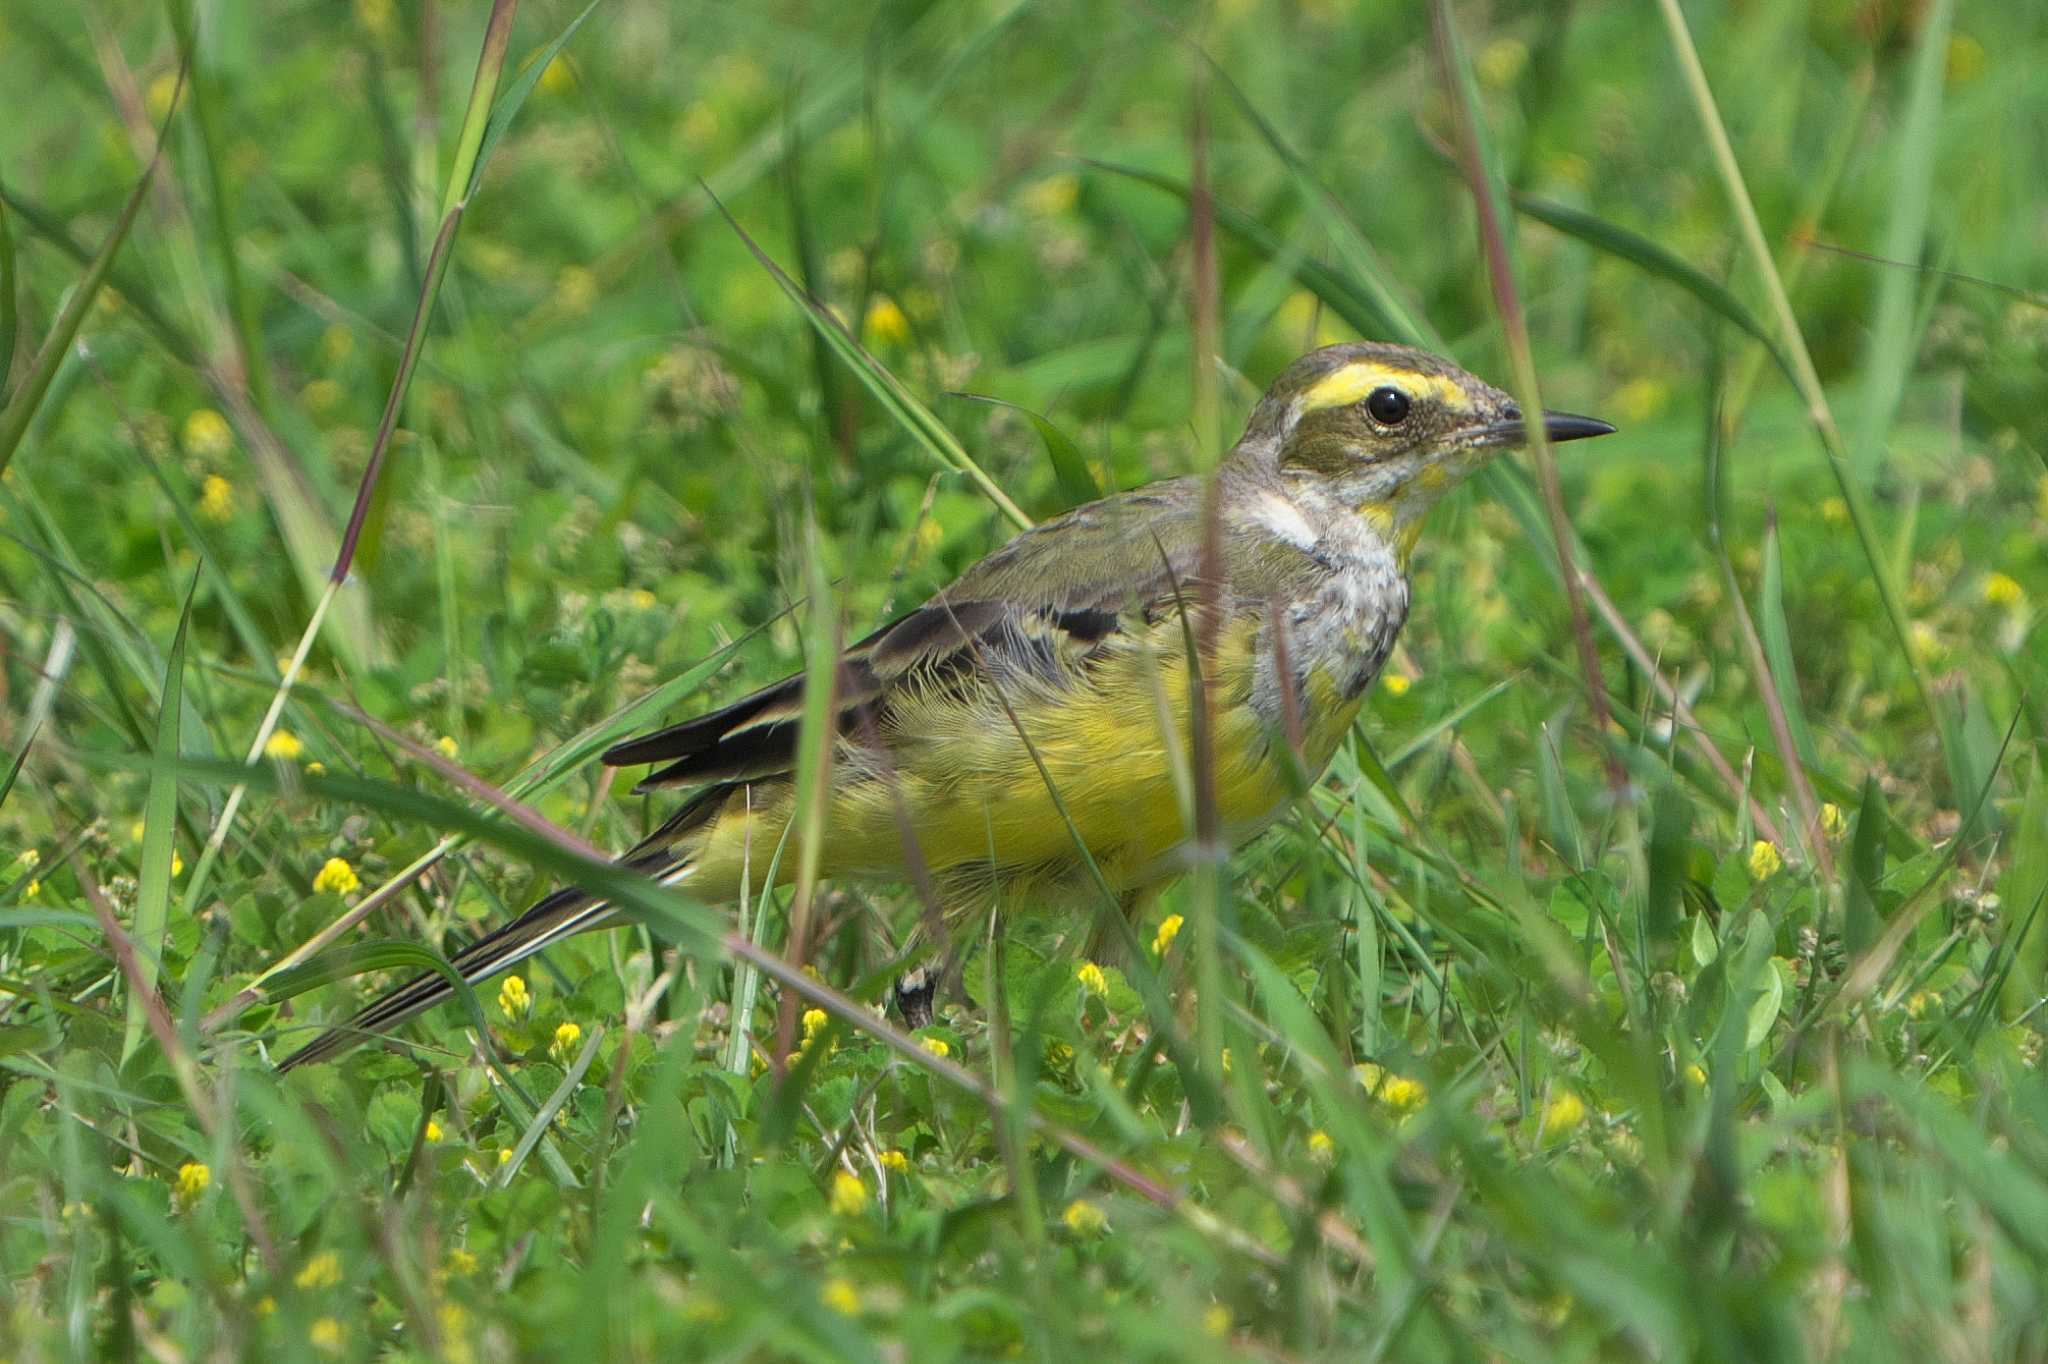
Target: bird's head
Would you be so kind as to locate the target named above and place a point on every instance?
(1386, 430)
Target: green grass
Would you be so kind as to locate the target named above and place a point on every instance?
(1522, 1063)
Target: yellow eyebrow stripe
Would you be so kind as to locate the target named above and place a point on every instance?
(1351, 383)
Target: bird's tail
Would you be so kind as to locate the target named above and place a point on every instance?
(666, 856)
(568, 911)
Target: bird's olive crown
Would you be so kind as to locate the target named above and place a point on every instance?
(1341, 405)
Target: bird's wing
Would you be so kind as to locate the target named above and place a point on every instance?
(1040, 606)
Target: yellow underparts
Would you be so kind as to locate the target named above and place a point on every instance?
(1112, 742)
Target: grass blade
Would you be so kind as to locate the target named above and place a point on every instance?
(1069, 465)
(1338, 292)
(917, 419)
(1655, 260)
(15, 417)
(1894, 332)
(10, 298)
(159, 826)
(1777, 640)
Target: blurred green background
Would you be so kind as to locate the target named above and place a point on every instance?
(1524, 1062)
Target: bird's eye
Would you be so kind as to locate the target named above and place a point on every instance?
(1388, 406)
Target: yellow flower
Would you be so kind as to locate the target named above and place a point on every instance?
(642, 600)
(841, 1297)
(461, 1262)
(322, 1271)
(1084, 1218)
(1320, 1146)
(177, 865)
(320, 395)
(885, 324)
(1402, 1094)
(513, 1000)
(1169, 929)
(1216, 1320)
(1052, 196)
(894, 1161)
(1964, 60)
(1696, 1074)
(338, 876)
(575, 289)
(566, 1037)
(1091, 978)
(162, 91)
(1396, 684)
(207, 433)
(1764, 860)
(265, 1305)
(217, 499)
(937, 1046)
(1923, 643)
(1920, 1001)
(504, 1155)
(193, 1177)
(1833, 822)
(556, 78)
(377, 16)
(447, 746)
(32, 890)
(1565, 1112)
(1835, 511)
(1501, 60)
(849, 1197)
(325, 1334)
(814, 1021)
(2002, 589)
(29, 857)
(434, 1133)
(337, 343)
(1639, 399)
(283, 746)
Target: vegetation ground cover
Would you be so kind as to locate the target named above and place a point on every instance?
(1709, 1030)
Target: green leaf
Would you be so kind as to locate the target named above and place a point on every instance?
(913, 416)
(1777, 641)
(14, 768)
(1669, 854)
(1338, 292)
(10, 299)
(1763, 1009)
(1640, 251)
(1705, 946)
(159, 827)
(1894, 334)
(508, 105)
(1069, 465)
(1864, 920)
(15, 416)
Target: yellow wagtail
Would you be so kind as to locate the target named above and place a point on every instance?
(1062, 661)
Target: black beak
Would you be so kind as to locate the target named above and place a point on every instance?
(1559, 426)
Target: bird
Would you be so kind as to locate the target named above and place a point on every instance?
(1051, 692)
